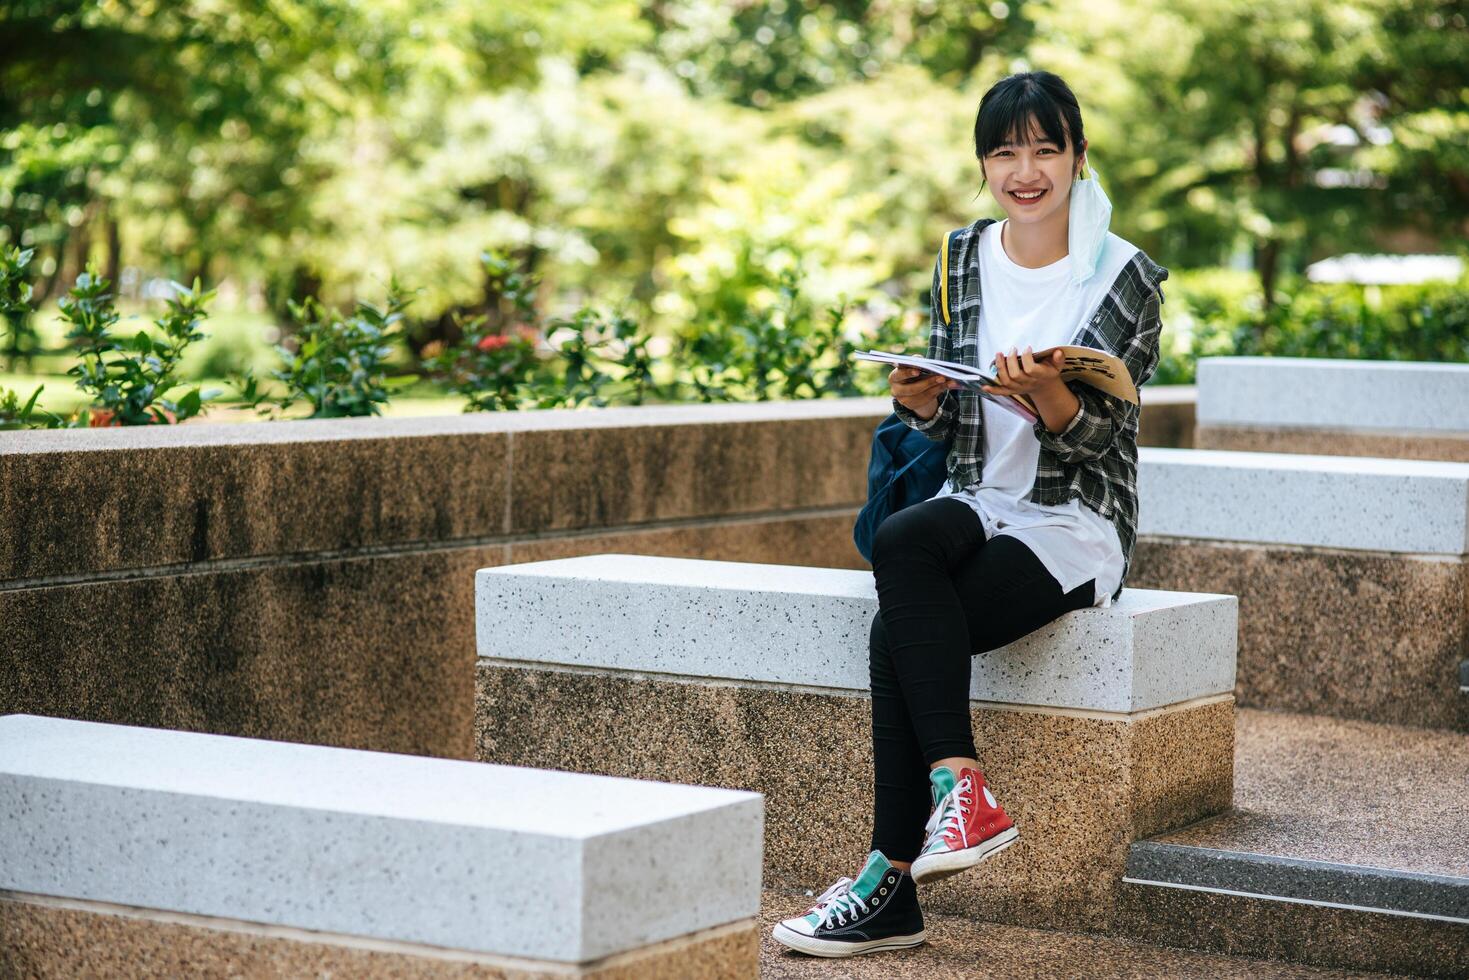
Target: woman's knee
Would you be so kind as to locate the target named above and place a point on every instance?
(901, 531)
(916, 530)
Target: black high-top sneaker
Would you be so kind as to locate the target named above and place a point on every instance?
(877, 911)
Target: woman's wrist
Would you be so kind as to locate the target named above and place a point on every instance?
(1058, 405)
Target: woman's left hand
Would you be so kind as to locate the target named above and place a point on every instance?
(1020, 373)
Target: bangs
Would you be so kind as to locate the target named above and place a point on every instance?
(1013, 113)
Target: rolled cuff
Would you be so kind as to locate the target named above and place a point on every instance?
(939, 425)
(1087, 435)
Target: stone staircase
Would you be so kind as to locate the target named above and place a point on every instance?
(1347, 846)
(1333, 860)
(1348, 842)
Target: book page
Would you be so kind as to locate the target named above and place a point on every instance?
(1101, 370)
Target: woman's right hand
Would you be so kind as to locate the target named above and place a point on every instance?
(919, 391)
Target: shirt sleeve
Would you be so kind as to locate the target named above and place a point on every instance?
(940, 345)
(1100, 417)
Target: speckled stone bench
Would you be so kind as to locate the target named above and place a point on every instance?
(1106, 726)
(130, 852)
(1396, 409)
(1350, 571)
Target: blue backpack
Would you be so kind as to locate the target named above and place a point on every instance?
(906, 467)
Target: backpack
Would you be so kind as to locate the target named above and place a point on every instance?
(906, 466)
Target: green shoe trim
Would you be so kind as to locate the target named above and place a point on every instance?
(877, 865)
(872, 873)
(941, 781)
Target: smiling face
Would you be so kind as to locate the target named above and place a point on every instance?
(1018, 168)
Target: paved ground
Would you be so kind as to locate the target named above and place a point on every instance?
(1356, 792)
(958, 947)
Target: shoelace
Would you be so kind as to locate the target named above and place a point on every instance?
(837, 902)
(950, 813)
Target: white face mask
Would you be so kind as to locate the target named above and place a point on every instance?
(1089, 215)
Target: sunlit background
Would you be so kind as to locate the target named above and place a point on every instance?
(706, 169)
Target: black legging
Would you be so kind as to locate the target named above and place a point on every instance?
(944, 593)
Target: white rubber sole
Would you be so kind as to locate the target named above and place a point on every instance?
(802, 943)
(934, 867)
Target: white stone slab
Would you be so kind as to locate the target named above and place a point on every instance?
(1357, 502)
(1313, 392)
(789, 624)
(495, 859)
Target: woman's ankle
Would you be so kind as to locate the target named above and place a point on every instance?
(902, 865)
(955, 763)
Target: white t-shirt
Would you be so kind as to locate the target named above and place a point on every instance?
(1038, 308)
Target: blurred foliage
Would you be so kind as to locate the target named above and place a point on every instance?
(487, 367)
(1336, 124)
(783, 348)
(746, 353)
(758, 54)
(1221, 312)
(724, 175)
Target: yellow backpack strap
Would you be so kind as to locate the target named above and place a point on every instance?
(944, 276)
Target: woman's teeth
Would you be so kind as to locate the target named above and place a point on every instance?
(1026, 197)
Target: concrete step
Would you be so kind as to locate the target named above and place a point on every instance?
(1324, 553)
(791, 624)
(1102, 727)
(1400, 409)
(1348, 846)
(168, 843)
(1227, 869)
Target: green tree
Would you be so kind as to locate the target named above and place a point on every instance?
(1270, 126)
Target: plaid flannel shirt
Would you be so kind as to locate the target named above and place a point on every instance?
(1095, 456)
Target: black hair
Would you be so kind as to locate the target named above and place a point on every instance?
(1007, 108)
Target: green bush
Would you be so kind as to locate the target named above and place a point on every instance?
(21, 340)
(129, 380)
(743, 351)
(14, 415)
(339, 365)
(755, 336)
(1219, 312)
(750, 351)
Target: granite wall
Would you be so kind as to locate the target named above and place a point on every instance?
(313, 581)
(1334, 442)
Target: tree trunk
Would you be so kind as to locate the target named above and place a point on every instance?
(1267, 252)
(49, 285)
(114, 249)
(201, 271)
(81, 250)
(1267, 261)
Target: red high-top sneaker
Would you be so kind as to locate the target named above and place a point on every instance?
(966, 827)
